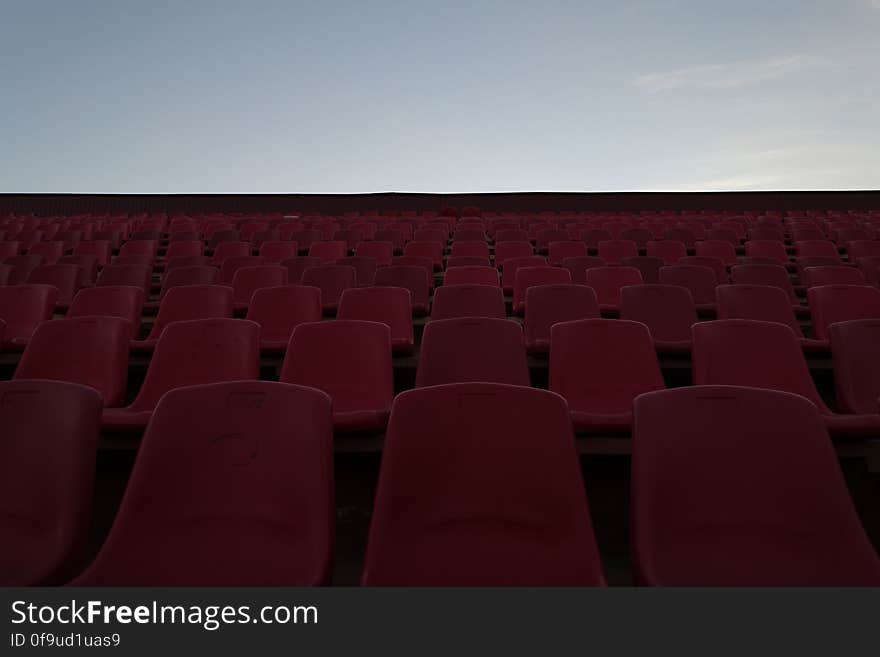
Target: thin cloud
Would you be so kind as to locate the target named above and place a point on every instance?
(873, 4)
(728, 76)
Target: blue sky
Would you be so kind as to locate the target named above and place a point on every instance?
(488, 95)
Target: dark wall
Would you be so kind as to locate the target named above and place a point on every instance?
(51, 204)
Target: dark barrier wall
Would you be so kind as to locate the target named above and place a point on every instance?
(60, 204)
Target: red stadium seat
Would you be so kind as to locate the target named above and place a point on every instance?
(547, 305)
(224, 236)
(516, 515)
(432, 250)
(764, 303)
(467, 261)
(248, 280)
(855, 347)
(49, 251)
(699, 280)
(667, 310)
(526, 277)
(841, 303)
(330, 251)
(578, 267)
(184, 249)
(862, 249)
(641, 236)
(187, 261)
(365, 268)
(600, 366)
(91, 351)
(332, 281)
(737, 352)
(767, 249)
(472, 349)
(227, 250)
(511, 235)
(544, 238)
(471, 276)
(394, 236)
(279, 310)
(22, 308)
(772, 275)
(870, 267)
(613, 251)
(5, 274)
(189, 302)
(454, 301)
(832, 275)
(196, 275)
(47, 452)
(505, 251)
(191, 353)
(680, 234)
(648, 266)
(472, 249)
(608, 281)
(233, 264)
(139, 276)
(391, 306)
(670, 251)
(297, 266)
(349, 360)
(595, 236)
(741, 487)
(713, 263)
(566, 249)
(276, 252)
(382, 252)
(253, 461)
(413, 278)
(68, 279)
(124, 301)
(816, 248)
(140, 248)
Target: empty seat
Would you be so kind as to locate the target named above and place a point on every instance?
(713, 263)
(224, 236)
(862, 249)
(526, 277)
(233, 264)
(511, 235)
(767, 249)
(870, 267)
(546, 236)
(123, 301)
(438, 235)
(558, 251)
(516, 515)
(332, 281)
(681, 234)
(381, 252)
(641, 236)
(227, 250)
(832, 275)
(91, 351)
(247, 280)
(613, 251)
(297, 266)
(279, 310)
(22, 266)
(648, 266)
(187, 261)
(68, 279)
(432, 250)
(350, 360)
(471, 276)
(191, 353)
(413, 278)
(252, 461)
(189, 302)
(736, 486)
(766, 355)
(350, 237)
(197, 275)
(391, 306)
(139, 276)
(578, 267)
(47, 451)
(140, 248)
(807, 235)
(5, 275)
(855, 348)
(667, 310)
(22, 308)
(49, 251)
(766, 234)
(9, 249)
(184, 248)
(841, 303)
(670, 251)
(365, 268)
(608, 281)
(600, 366)
(452, 301)
(467, 261)
(547, 305)
(723, 250)
(765, 303)
(276, 252)
(723, 234)
(504, 251)
(816, 248)
(595, 236)
(699, 280)
(473, 249)
(773, 275)
(329, 252)
(394, 236)
(133, 260)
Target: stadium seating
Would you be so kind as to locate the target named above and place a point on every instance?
(332, 281)
(608, 281)
(382, 252)
(252, 461)
(391, 306)
(816, 249)
(855, 347)
(227, 250)
(736, 486)
(454, 301)
(350, 360)
(613, 251)
(91, 351)
(558, 251)
(772, 275)
(471, 276)
(123, 301)
(648, 266)
(234, 263)
(88, 263)
(432, 250)
(470, 249)
(504, 251)
(297, 266)
(841, 303)
(67, 279)
(188, 302)
(191, 353)
(723, 250)
(278, 310)
(516, 514)
(413, 278)
(578, 267)
(766, 355)
(276, 252)
(47, 456)
(767, 249)
(194, 275)
(49, 251)
(870, 267)
(667, 310)
(248, 280)
(547, 305)
(600, 366)
(22, 308)
(139, 276)
(832, 275)
(670, 251)
(454, 351)
(699, 280)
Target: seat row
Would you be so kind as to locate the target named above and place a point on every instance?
(480, 485)
(598, 365)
